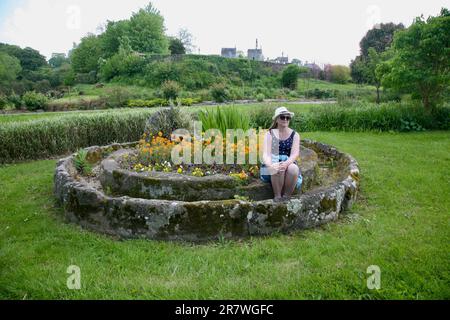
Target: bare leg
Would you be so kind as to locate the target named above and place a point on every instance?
(277, 183)
(291, 177)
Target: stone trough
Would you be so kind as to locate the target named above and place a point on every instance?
(169, 206)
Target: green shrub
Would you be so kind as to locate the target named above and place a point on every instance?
(237, 93)
(219, 92)
(168, 120)
(44, 138)
(15, 100)
(189, 101)
(261, 117)
(289, 77)
(80, 162)
(320, 93)
(170, 89)
(122, 64)
(410, 126)
(260, 97)
(3, 102)
(340, 74)
(116, 97)
(34, 100)
(140, 103)
(89, 78)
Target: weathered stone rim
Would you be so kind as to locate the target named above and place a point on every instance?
(128, 217)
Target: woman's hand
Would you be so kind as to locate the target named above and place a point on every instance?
(274, 168)
(282, 166)
(278, 167)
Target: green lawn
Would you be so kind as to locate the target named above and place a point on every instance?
(17, 117)
(401, 224)
(311, 84)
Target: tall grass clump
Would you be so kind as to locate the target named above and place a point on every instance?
(362, 116)
(50, 137)
(224, 118)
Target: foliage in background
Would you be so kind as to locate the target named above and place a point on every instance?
(34, 100)
(166, 121)
(117, 97)
(289, 76)
(340, 74)
(170, 89)
(9, 70)
(378, 38)
(176, 46)
(219, 92)
(86, 55)
(421, 60)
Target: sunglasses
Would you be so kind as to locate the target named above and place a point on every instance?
(285, 118)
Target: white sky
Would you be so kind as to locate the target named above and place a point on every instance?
(317, 30)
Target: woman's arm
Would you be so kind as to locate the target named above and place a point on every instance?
(295, 151)
(267, 149)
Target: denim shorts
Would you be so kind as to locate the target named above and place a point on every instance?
(266, 177)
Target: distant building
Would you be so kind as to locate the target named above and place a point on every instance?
(282, 59)
(255, 54)
(228, 52)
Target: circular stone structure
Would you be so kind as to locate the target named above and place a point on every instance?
(170, 206)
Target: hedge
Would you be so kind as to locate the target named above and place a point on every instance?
(45, 138)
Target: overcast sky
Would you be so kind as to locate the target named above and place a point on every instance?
(317, 30)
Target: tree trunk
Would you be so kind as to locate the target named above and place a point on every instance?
(426, 102)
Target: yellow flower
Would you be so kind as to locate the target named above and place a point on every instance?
(160, 134)
(180, 170)
(243, 175)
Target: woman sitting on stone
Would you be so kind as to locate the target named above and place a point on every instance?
(281, 149)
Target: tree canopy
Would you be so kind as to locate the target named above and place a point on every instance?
(378, 38)
(9, 68)
(30, 59)
(420, 61)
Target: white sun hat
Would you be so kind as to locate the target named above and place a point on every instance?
(280, 111)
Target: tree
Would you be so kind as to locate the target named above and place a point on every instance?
(357, 67)
(296, 61)
(30, 60)
(86, 55)
(378, 38)
(186, 39)
(289, 77)
(372, 77)
(110, 39)
(340, 74)
(9, 69)
(57, 60)
(420, 59)
(146, 31)
(176, 46)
